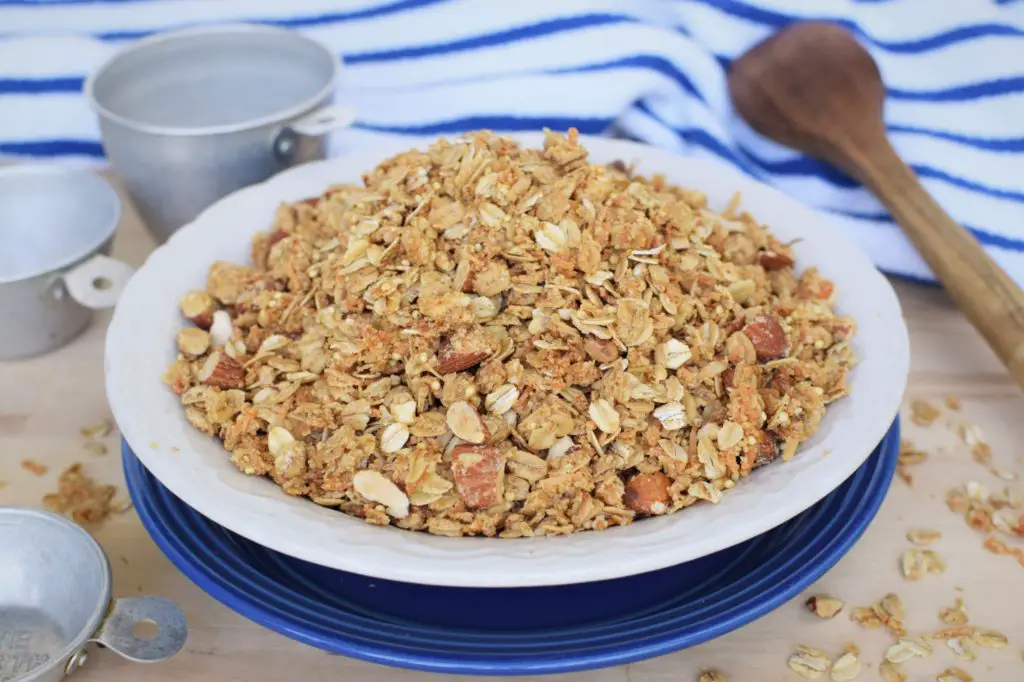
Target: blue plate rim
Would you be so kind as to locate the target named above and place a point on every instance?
(235, 597)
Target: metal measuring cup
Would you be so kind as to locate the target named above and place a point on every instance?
(56, 227)
(188, 116)
(55, 599)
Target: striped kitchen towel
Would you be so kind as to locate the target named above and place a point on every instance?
(650, 69)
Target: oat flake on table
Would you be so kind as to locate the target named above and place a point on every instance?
(518, 342)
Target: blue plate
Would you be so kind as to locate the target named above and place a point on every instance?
(539, 630)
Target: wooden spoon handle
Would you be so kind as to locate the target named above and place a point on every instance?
(981, 289)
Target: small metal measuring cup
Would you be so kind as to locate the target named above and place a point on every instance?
(56, 227)
(191, 115)
(55, 600)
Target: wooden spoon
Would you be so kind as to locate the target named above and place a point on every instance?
(813, 87)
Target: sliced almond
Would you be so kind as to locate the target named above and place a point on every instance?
(560, 448)
(604, 415)
(394, 437)
(501, 399)
(376, 487)
(954, 675)
(222, 371)
(465, 422)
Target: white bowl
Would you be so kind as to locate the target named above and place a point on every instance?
(140, 346)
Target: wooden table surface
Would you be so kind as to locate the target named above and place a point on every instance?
(45, 401)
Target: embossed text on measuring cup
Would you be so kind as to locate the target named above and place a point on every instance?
(28, 639)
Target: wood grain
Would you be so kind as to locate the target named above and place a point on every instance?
(814, 88)
(63, 392)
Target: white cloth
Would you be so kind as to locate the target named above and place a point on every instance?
(652, 69)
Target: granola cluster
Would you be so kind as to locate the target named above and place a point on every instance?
(483, 339)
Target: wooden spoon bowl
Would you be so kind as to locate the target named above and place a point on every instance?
(814, 88)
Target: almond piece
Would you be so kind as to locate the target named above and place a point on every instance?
(198, 307)
(376, 487)
(767, 449)
(465, 422)
(648, 493)
(774, 260)
(601, 351)
(193, 341)
(767, 336)
(222, 371)
(220, 329)
(479, 475)
(456, 354)
(824, 606)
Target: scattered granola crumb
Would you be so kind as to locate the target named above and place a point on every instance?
(846, 667)
(809, 663)
(908, 648)
(923, 537)
(954, 675)
(81, 498)
(824, 606)
(953, 403)
(891, 672)
(99, 430)
(867, 617)
(908, 457)
(95, 447)
(954, 615)
(711, 676)
(924, 413)
(990, 639)
(34, 467)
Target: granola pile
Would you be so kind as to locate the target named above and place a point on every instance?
(483, 339)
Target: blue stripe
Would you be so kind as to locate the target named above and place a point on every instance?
(777, 20)
(40, 86)
(297, 22)
(962, 93)
(497, 122)
(641, 61)
(53, 148)
(529, 31)
(983, 235)
(996, 144)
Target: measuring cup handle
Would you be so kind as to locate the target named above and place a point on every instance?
(98, 282)
(117, 634)
(316, 124)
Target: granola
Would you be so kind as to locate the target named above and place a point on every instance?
(484, 339)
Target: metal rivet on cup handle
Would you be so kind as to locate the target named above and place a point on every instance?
(98, 282)
(118, 631)
(316, 124)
